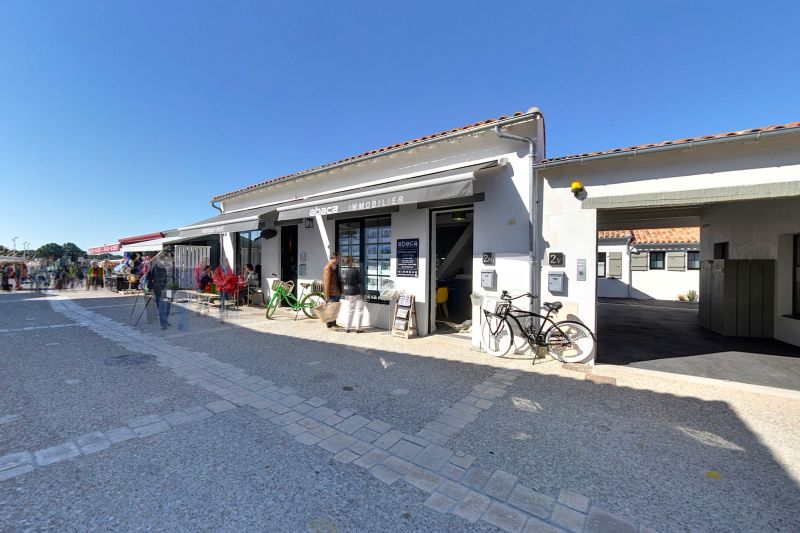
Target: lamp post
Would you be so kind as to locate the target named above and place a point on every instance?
(14, 240)
(25, 252)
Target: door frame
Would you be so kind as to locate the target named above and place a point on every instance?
(431, 315)
(283, 275)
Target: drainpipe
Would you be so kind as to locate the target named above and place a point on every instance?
(218, 208)
(533, 241)
(629, 248)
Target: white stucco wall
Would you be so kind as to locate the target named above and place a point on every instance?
(753, 232)
(501, 220)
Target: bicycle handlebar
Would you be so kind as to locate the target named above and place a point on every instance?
(505, 296)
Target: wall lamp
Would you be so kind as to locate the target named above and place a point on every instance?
(578, 190)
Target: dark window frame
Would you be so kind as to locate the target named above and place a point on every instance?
(690, 261)
(654, 265)
(239, 268)
(371, 296)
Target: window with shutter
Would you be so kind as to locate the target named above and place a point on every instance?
(615, 264)
(676, 261)
(639, 261)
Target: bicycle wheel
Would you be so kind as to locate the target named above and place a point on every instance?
(273, 304)
(310, 303)
(496, 336)
(569, 342)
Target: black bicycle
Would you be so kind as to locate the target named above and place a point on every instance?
(568, 341)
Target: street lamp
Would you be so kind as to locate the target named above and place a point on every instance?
(15, 243)
(25, 246)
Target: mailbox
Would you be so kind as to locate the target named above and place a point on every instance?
(555, 282)
(489, 280)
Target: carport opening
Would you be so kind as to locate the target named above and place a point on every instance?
(650, 282)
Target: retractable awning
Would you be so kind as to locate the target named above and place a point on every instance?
(225, 223)
(153, 245)
(454, 183)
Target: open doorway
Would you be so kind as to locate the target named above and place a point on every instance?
(451, 276)
(289, 255)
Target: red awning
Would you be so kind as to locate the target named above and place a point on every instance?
(105, 249)
(141, 238)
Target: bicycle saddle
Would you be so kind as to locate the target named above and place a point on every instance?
(552, 306)
(305, 285)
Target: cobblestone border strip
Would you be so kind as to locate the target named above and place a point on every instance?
(18, 463)
(454, 484)
(31, 328)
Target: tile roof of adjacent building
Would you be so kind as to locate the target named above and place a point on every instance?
(687, 140)
(654, 236)
(406, 144)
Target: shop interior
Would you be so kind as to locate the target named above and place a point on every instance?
(452, 240)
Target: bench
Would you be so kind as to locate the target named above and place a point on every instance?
(206, 298)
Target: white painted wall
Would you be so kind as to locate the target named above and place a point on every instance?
(759, 230)
(501, 221)
(753, 232)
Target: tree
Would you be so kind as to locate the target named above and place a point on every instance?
(51, 251)
(72, 251)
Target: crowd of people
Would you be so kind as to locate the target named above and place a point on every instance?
(91, 276)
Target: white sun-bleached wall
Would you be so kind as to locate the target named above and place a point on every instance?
(501, 220)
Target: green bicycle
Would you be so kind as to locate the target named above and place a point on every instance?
(308, 303)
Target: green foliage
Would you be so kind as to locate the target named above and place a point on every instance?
(72, 251)
(692, 296)
(51, 251)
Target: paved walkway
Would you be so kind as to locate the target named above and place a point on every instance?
(451, 439)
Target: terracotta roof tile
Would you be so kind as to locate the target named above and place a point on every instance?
(377, 151)
(685, 140)
(654, 236)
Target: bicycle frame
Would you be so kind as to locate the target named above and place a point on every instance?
(515, 313)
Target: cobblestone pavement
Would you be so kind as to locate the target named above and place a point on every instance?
(244, 424)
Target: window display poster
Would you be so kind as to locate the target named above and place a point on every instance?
(407, 258)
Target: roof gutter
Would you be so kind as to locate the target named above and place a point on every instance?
(747, 137)
(218, 208)
(512, 120)
(533, 203)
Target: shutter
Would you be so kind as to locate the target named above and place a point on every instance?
(676, 261)
(639, 261)
(615, 264)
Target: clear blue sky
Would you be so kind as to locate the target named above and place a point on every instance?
(122, 118)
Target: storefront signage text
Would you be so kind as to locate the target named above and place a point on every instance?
(213, 229)
(407, 258)
(357, 205)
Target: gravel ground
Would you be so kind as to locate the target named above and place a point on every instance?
(233, 472)
(665, 452)
(639, 453)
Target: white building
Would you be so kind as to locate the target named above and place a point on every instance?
(479, 209)
(660, 264)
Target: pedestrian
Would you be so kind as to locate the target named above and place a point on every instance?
(94, 276)
(159, 277)
(17, 276)
(352, 288)
(225, 279)
(4, 278)
(331, 284)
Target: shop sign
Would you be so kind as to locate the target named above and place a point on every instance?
(213, 229)
(108, 248)
(407, 258)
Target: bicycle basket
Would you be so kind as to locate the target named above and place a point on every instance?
(316, 286)
(492, 306)
(280, 285)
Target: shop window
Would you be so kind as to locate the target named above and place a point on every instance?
(601, 264)
(249, 251)
(656, 260)
(693, 260)
(369, 242)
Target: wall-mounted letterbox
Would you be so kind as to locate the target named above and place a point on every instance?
(555, 282)
(489, 280)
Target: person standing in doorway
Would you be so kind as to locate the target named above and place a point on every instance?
(352, 288)
(331, 284)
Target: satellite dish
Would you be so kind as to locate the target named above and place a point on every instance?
(268, 233)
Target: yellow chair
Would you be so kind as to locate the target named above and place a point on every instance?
(442, 294)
